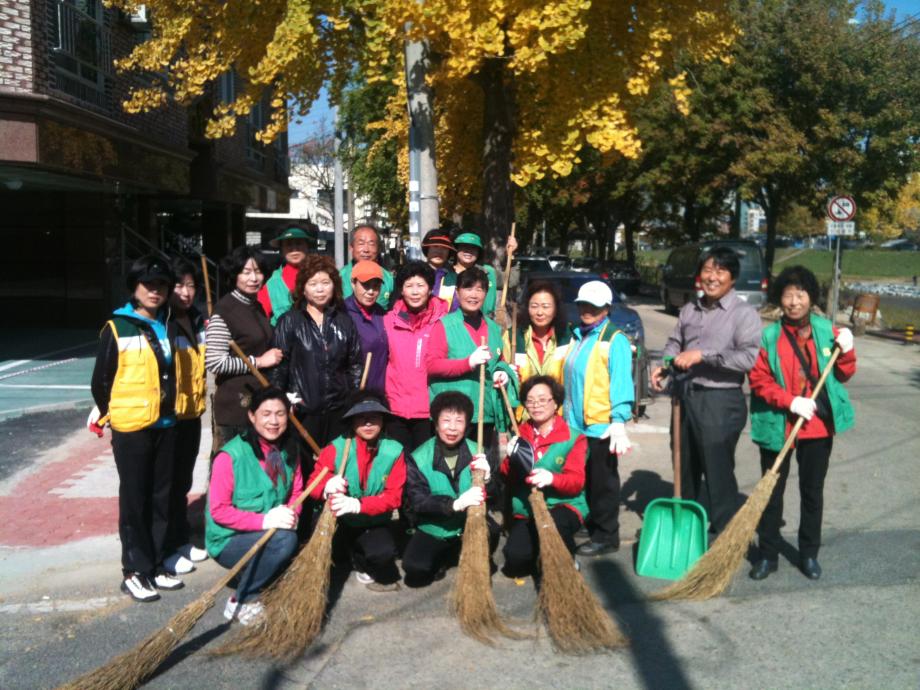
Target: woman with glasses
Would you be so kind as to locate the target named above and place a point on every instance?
(549, 456)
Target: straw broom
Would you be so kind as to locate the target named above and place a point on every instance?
(471, 599)
(576, 621)
(713, 572)
(295, 605)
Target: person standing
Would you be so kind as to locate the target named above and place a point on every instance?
(365, 246)
(793, 353)
(715, 342)
(294, 243)
(191, 399)
(542, 333)
(408, 326)
(599, 393)
(367, 315)
(134, 388)
(469, 254)
(438, 249)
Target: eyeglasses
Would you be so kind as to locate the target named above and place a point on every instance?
(538, 402)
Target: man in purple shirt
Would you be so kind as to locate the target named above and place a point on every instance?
(714, 344)
(367, 315)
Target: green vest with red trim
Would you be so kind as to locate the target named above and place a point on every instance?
(554, 459)
(280, 295)
(388, 452)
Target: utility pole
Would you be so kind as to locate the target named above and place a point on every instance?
(423, 176)
(338, 204)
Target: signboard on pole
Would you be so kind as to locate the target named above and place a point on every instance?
(841, 208)
(838, 228)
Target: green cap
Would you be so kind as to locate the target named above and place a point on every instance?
(294, 234)
(468, 238)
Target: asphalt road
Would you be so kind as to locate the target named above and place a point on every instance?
(855, 628)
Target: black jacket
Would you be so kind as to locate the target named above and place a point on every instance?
(323, 366)
(417, 496)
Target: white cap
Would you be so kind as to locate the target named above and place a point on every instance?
(595, 292)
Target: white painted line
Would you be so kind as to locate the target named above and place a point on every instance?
(45, 355)
(10, 365)
(69, 387)
(60, 606)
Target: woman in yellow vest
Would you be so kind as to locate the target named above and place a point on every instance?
(134, 387)
(190, 404)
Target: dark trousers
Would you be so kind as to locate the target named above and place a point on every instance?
(411, 433)
(602, 489)
(711, 423)
(813, 456)
(523, 544)
(144, 460)
(188, 442)
(265, 566)
(370, 550)
(425, 554)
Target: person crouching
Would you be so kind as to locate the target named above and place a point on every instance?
(254, 481)
(548, 456)
(364, 498)
(439, 490)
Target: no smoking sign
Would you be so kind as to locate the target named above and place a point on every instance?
(841, 208)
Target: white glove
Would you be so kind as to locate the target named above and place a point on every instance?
(540, 478)
(343, 505)
(474, 496)
(336, 485)
(499, 379)
(480, 355)
(293, 398)
(845, 340)
(803, 407)
(619, 441)
(94, 415)
(279, 517)
(480, 463)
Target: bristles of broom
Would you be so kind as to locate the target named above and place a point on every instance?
(713, 572)
(576, 621)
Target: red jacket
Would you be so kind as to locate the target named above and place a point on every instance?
(386, 502)
(289, 276)
(765, 386)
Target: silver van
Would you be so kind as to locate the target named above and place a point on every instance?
(679, 280)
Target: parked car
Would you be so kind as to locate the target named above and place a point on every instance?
(679, 281)
(559, 262)
(622, 316)
(623, 276)
(529, 264)
(582, 264)
(900, 245)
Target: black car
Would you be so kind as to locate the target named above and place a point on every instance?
(530, 264)
(623, 276)
(622, 316)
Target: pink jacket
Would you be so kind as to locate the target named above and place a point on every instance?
(407, 376)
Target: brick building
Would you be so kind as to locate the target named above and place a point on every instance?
(86, 187)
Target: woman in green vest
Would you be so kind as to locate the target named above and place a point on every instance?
(439, 490)
(550, 457)
(793, 352)
(364, 497)
(470, 254)
(294, 243)
(253, 482)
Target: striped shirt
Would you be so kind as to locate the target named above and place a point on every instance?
(218, 358)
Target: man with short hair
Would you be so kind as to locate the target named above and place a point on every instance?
(365, 246)
(714, 344)
(294, 243)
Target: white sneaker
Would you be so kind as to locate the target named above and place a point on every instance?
(138, 587)
(164, 580)
(177, 564)
(193, 553)
(245, 614)
(363, 578)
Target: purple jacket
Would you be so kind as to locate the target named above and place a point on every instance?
(373, 339)
(407, 376)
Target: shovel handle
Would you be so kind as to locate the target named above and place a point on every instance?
(675, 443)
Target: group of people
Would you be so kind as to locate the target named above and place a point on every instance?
(404, 442)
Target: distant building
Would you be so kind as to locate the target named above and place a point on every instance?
(85, 188)
(754, 220)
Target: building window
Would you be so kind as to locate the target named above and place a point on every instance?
(227, 87)
(82, 48)
(255, 150)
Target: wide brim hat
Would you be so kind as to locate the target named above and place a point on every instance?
(366, 406)
(437, 240)
(470, 238)
(294, 234)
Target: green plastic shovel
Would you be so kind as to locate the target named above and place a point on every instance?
(673, 534)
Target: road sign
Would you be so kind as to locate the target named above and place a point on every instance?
(837, 228)
(841, 208)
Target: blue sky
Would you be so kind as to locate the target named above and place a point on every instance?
(321, 111)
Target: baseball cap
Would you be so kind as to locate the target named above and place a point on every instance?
(366, 270)
(469, 238)
(436, 238)
(595, 292)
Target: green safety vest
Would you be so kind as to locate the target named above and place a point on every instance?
(279, 294)
(460, 345)
(768, 424)
(553, 460)
(440, 485)
(388, 453)
(253, 490)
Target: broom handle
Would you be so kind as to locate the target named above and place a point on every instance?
(347, 448)
(507, 271)
(512, 336)
(207, 283)
(790, 439)
(254, 549)
(514, 424)
(482, 402)
(675, 440)
(265, 384)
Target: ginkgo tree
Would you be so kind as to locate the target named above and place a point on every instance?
(520, 86)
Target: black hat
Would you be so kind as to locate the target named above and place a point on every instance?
(150, 269)
(367, 405)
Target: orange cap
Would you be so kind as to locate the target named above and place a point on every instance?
(366, 270)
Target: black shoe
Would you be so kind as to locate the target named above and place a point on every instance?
(762, 569)
(582, 533)
(594, 548)
(138, 587)
(810, 568)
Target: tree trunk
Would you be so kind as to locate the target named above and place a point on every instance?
(629, 236)
(691, 227)
(771, 207)
(736, 217)
(498, 137)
